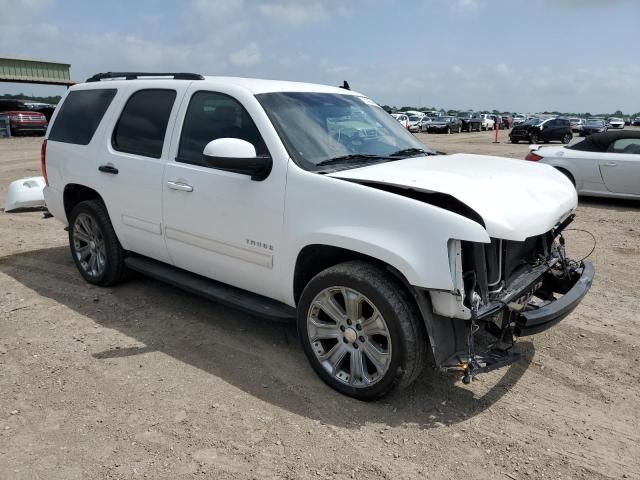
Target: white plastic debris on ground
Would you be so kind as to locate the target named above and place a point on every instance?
(25, 193)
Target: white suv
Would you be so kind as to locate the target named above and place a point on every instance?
(309, 202)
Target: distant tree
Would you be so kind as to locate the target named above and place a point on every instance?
(21, 96)
(618, 113)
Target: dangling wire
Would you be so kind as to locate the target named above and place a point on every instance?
(595, 242)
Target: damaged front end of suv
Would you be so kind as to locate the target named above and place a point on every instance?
(508, 289)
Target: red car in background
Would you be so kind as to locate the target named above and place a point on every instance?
(22, 119)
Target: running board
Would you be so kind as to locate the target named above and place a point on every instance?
(212, 290)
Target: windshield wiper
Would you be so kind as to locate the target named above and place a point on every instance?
(411, 151)
(352, 156)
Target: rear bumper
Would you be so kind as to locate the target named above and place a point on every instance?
(536, 321)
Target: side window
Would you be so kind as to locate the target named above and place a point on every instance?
(80, 115)
(143, 123)
(211, 116)
(625, 145)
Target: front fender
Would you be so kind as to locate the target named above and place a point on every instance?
(407, 234)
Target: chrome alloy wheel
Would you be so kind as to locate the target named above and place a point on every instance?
(88, 245)
(349, 336)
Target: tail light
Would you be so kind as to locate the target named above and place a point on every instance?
(43, 161)
(533, 157)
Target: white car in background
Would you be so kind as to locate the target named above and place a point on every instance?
(576, 124)
(603, 165)
(518, 120)
(403, 119)
(616, 123)
(486, 122)
(415, 123)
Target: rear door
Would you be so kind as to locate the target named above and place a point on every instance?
(620, 166)
(131, 166)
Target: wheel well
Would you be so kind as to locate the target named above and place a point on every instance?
(313, 259)
(74, 194)
(567, 174)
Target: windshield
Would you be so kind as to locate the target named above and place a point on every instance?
(533, 121)
(320, 127)
(414, 118)
(595, 122)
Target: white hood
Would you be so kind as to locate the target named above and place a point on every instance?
(516, 199)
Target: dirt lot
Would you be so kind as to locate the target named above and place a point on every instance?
(144, 381)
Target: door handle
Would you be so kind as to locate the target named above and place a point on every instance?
(108, 168)
(611, 164)
(183, 187)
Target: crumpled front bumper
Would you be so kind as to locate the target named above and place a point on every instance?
(535, 321)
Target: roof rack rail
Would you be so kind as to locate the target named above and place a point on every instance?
(134, 75)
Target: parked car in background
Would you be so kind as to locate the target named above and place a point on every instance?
(497, 121)
(542, 130)
(426, 120)
(576, 124)
(415, 122)
(22, 119)
(444, 125)
(519, 120)
(507, 121)
(627, 121)
(402, 118)
(593, 125)
(485, 121)
(615, 122)
(636, 122)
(604, 165)
(465, 120)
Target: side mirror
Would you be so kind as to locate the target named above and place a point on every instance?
(237, 156)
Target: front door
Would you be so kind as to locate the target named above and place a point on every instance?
(620, 166)
(220, 224)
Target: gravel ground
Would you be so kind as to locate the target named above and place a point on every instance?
(145, 381)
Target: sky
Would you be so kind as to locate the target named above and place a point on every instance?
(510, 55)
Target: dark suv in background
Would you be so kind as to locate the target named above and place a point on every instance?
(538, 130)
(465, 120)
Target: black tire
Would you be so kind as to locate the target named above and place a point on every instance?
(113, 269)
(534, 138)
(566, 138)
(459, 128)
(448, 129)
(405, 326)
(513, 140)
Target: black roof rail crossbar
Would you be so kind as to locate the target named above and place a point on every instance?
(133, 75)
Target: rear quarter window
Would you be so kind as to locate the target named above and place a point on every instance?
(80, 115)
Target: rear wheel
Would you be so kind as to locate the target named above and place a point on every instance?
(361, 331)
(448, 129)
(513, 140)
(94, 245)
(533, 138)
(566, 138)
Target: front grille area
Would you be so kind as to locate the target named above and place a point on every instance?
(490, 268)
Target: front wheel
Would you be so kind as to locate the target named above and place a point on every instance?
(566, 138)
(533, 138)
(94, 245)
(361, 330)
(448, 129)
